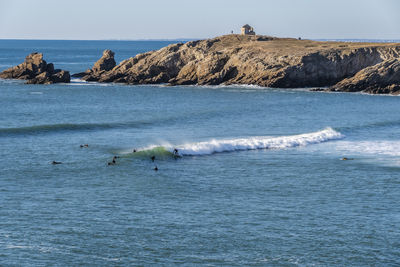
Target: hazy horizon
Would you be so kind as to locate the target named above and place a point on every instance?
(183, 20)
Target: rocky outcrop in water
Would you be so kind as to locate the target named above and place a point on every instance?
(382, 78)
(260, 60)
(36, 71)
(105, 63)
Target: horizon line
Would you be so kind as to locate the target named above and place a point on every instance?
(111, 39)
(185, 39)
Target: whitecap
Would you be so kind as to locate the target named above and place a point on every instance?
(251, 143)
(376, 147)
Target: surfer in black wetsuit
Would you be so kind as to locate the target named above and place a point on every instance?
(56, 162)
(176, 153)
(134, 150)
(153, 158)
(155, 168)
(113, 162)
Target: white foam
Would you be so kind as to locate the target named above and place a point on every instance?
(231, 86)
(79, 82)
(379, 147)
(260, 142)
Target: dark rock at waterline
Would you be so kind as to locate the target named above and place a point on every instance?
(105, 63)
(59, 76)
(317, 90)
(382, 78)
(36, 71)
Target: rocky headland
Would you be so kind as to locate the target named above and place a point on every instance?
(261, 60)
(36, 71)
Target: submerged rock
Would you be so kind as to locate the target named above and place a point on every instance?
(36, 71)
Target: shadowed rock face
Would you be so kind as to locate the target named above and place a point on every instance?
(36, 71)
(260, 60)
(105, 63)
(382, 78)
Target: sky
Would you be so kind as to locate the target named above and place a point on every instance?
(177, 19)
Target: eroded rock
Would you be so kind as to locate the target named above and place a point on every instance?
(382, 78)
(36, 71)
(105, 63)
(237, 59)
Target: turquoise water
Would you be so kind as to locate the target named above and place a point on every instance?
(259, 180)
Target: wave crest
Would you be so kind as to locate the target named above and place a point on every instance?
(251, 143)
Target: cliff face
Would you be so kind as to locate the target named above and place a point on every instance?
(36, 71)
(237, 59)
(382, 78)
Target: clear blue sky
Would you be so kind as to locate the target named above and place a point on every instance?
(169, 19)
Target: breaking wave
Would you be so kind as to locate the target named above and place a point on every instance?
(251, 143)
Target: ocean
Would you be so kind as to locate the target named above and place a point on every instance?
(259, 178)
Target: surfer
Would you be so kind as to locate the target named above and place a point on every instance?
(176, 153)
(85, 145)
(113, 162)
(155, 168)
(134, 150)
(56, 162)
(153, 158)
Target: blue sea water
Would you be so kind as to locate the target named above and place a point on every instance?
(259, 180)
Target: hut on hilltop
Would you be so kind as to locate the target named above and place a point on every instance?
(248, 30)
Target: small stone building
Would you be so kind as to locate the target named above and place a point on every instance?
(248, 30)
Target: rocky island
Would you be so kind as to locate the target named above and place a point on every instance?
(243, 59)
(265, 61)
(36, 71)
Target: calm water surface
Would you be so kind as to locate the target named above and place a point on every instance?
(260, 181)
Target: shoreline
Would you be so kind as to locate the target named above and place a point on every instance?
(77, 82)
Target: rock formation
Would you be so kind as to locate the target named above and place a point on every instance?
(382, 78)
(105, 63)
(36, 70)
(242, 59)
(260, 60)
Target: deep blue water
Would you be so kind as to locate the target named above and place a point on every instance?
(260, 181)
